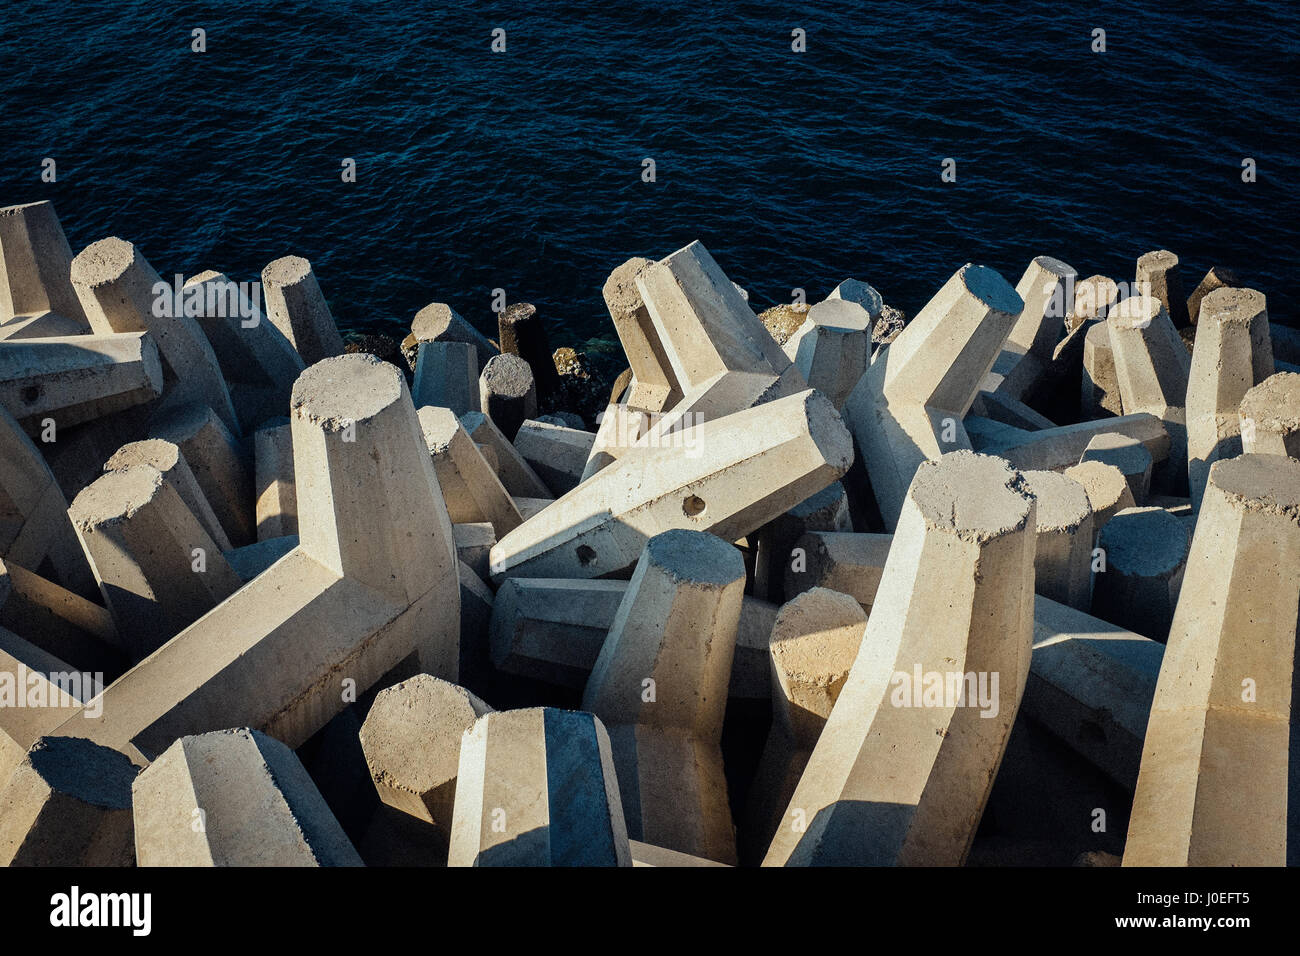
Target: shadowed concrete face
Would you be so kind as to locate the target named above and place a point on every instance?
(216, 458)
(514, 473)
(556, 453)
(446, 375)
(1046, 288)
(1270, 416)
(537, 787)
(253, 802)
(1212, 790)
(660, 685)
(1145, 553)
(909, 405)
(507, 393)
(827, 511)
(654, 385)
(1159, 276)
(67, 804)
(120, 291)
(35, 267)
(167, 458)
(34, 521)
(1091, 684)
(1217, 278)
(1233, 353)
(276, 500)
(900, 773)
(522, 331)
(296, 306)
(411, 740)
(832, 348)
(1100, 386)
(729, 477)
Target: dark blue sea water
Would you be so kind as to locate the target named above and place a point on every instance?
(522, 170)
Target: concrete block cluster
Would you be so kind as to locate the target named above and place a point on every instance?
(840, 599)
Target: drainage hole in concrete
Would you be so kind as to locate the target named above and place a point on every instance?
(693, 506)
(586, 555)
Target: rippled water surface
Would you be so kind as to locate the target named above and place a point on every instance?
(522, 170)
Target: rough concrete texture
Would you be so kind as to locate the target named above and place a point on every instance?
(411, 738)
(860, 294)
(507, 393)
(167, 458)
(1055, 449)
(78, 378)
(1026, 354)
(828, 510)
(1100, 388)
(38, 690)
(35, 267)
(446, 375)
(890, 782)
(707, 329)
(815, 640)
(1093, 298)
(537, 787)
(64, 624)
(733, 475)
(1152, 368)
(439, 322)
(67, 804)
(234, 798)
(832, 348)
(275, 499)
(1127, 454)
(909, 404)
(1091, 684)
(1108, 491)
(556, 453)
(218, 461)
(654, 384)
(470, 488)
(1217, 278)
(118, 289)
(474, 542)
(619, 427)
(1269, 416)
(1159, 276)
(1063, 558)
(515, 474)
(660, 686)
(158, 569)
(1233, 353)
(521, 331)
(1145, 551)
(296, 306)
(1212, 790)
(839, 561)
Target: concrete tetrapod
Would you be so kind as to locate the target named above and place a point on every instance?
(514, 473)
(1233, 353)
(507, 393)
(537, 787)
(35, 270)
(736, 474)
(119, 290)
(1063, 557)
(167, 458)
(1212, 790)
(439, 322)
(67, 804)
(1270, 416)
(1152, 368)
(1145, 552)
(1046, 289)
(660, 686)
(814, 642)
(909, 405)
(1127, 454)
(296, 306)
(826, 511)
(901, 771)
(832, 348)
(276, 502)
(846, 562)
(469, 487)
(654, 383)
(411, 739)
(446, 375)
(373, 581)
(521, 331)
(234, 798)
(1158, 276)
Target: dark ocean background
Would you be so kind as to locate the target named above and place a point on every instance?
(522, 170)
